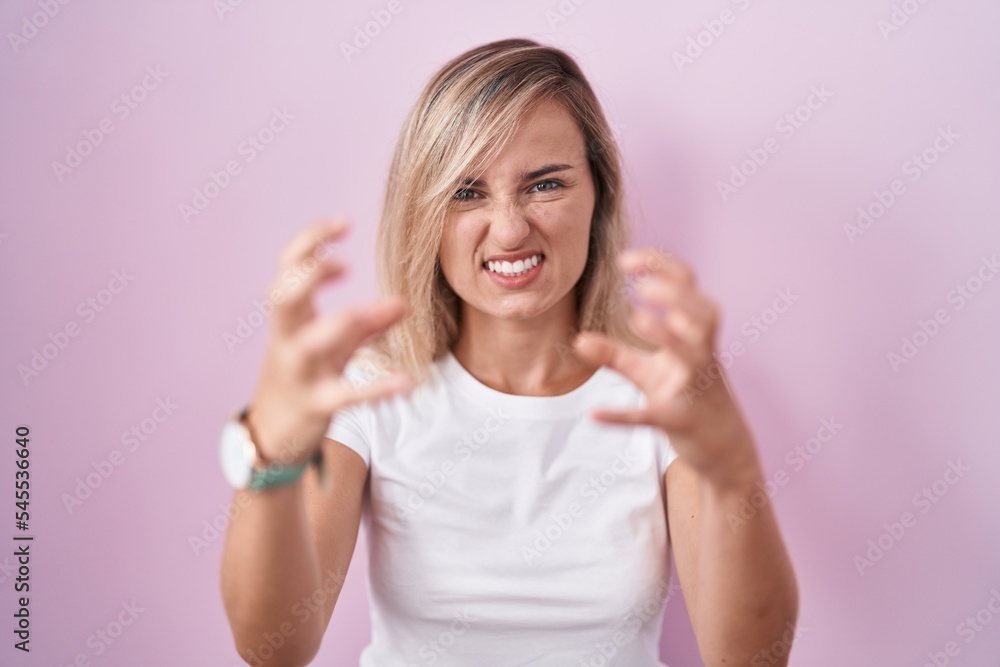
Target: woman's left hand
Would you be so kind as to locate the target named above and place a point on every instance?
(687, 395)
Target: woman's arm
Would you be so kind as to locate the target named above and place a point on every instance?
(288, 548)
(286, 554)
(736, 576)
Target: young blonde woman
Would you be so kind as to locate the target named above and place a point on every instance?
(521, 444)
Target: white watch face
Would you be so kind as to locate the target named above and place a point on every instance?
(236, 453)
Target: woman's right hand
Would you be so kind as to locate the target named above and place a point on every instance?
(302, 384)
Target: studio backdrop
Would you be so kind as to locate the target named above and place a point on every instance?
(829, 170)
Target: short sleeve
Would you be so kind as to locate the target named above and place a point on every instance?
(352, 425)
(348, 428)
(665, 452)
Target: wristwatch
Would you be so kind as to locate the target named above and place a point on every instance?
(242, 465)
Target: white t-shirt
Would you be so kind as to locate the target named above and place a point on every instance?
(510, 530)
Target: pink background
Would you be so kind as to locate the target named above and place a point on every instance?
(162, 336)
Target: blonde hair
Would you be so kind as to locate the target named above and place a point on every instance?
(463, 119)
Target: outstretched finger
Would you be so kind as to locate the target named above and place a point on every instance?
(655, 332)
(307, 241)
(638, 416)
(305, 263)
(336, 393)
(329, 342)
(601, 350)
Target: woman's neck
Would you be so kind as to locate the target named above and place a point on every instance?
(527, 357)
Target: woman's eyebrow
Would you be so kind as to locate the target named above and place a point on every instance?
(529, 175)
(547, 169)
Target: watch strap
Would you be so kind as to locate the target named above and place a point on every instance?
(274, 475)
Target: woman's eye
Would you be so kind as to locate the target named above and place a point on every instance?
(547, 186)
(464, 194)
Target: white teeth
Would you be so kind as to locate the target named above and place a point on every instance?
(515, 269)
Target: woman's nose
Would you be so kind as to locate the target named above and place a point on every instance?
(509, 224)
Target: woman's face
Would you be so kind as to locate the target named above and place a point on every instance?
(528, 216)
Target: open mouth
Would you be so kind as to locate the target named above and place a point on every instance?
(513, 269)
